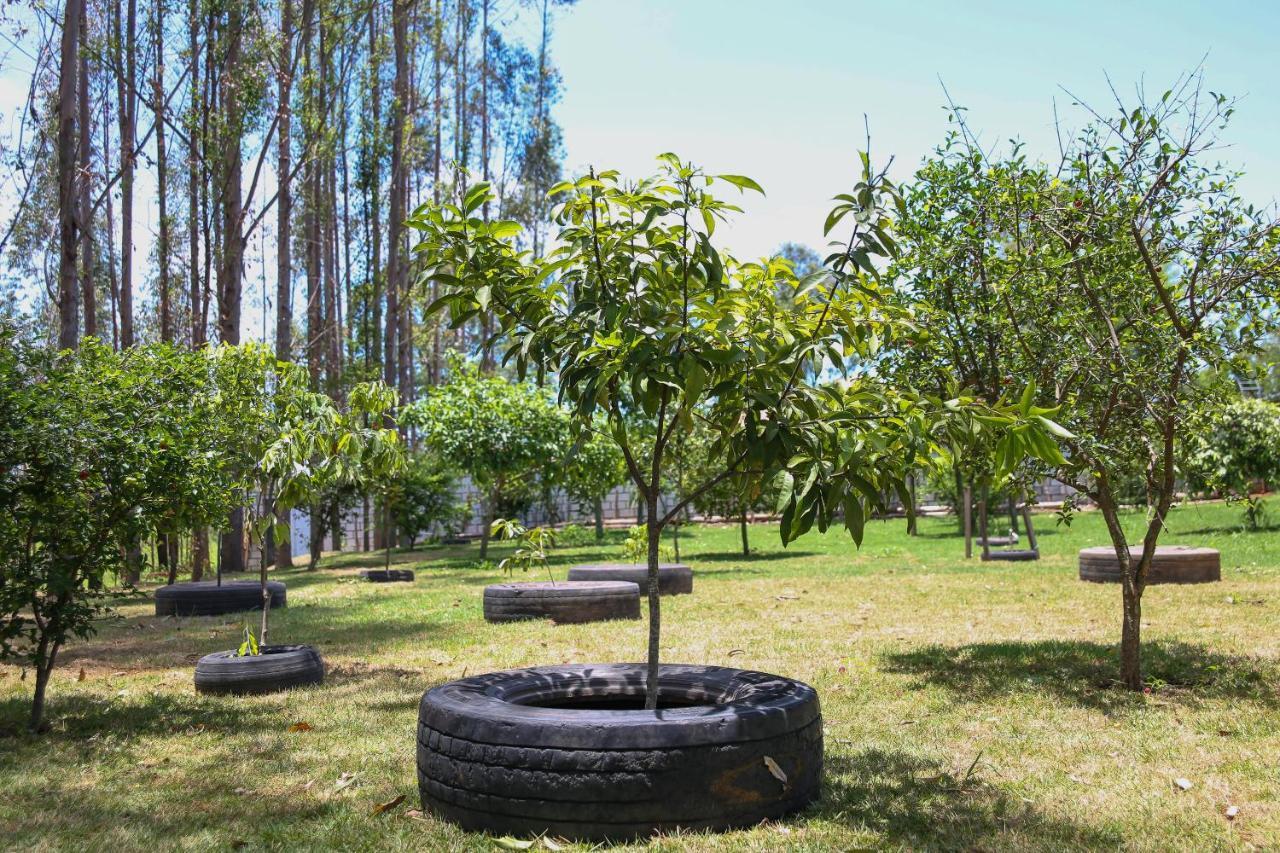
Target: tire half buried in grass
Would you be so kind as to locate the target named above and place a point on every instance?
(276, 668)
(1170, 564)
(564, 602)
(673, 578)
(207, 598)
(570, 751)
(387, 575)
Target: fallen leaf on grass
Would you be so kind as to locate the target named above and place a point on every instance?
(776, 770)
(301, 726)
(415, 814)
(1184, 784)
(346, 780)
(1232, 811)
(383, 808)
(506, 842)
(552, 845)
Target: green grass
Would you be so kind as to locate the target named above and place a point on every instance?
(966, 705)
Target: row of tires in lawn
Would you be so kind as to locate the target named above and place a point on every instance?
(571, 750)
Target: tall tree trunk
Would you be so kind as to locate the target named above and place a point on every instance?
(284, 226)
(162, 178)
(68, 237)
(373, 341)
(231, 267)
(87, 284)
(128, 111)
(397, 349)
(194, 171)
(112, 282)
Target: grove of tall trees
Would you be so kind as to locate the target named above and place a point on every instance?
(205, 171)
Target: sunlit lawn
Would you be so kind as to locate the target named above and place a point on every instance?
(966, 705)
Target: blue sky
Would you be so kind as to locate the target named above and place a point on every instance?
(778, 91)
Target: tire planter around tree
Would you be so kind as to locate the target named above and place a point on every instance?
(206, 598)
(1171, 564)
(564, 602)
(1012, 555)
(276, 668)
(673, 578)
(569, 751)
(387, 575)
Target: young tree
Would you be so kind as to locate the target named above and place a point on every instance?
(636, 310)
(425, 496)
(496, 431)
(1238, 447)
(1138, 274)
(594, 468)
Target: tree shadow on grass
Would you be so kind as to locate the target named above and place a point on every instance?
(756, 556)
(912, 802)
(1087, 672)
(79, 716)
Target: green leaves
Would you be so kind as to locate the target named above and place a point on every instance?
(742, 182)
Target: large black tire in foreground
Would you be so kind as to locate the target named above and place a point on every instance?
(673, 578)
(1012, 555)
(564, 602)
(387, 575)
(277, 668)
(206, 598)
(569, 751)
(1171, 564)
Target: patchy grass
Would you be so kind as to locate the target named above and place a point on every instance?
(966, 705)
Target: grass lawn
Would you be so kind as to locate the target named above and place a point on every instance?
(966, 705)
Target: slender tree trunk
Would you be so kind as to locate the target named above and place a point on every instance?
(966, 500)
(399, 325)
(232, 261)
(597, 509)
(128, 110)
(651, 684)
(486, 520)
(912, 526)
(983, 533)
(742, 523)
(112, 282)
(194, 171)
(162, 179)
(46, 656)
(1133, 583)
(284, 199)
(87, 284)
(68, 231)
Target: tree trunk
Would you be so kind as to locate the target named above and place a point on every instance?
(162, 179)
(46, 656)
(128, 109)
(983, 533)
(194, 180)
(486, 520)
(1132, 586)
(597, 510)
(394, 372)
(315, 540)
(742, 525)
(199, 553)
(912, 527)
(966, 508)
(85, 215)
(655, 604)
(68, 237)
(171, 546)
(284, 199)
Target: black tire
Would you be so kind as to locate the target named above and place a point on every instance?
(995, 541)
(1012, 555)
(1171, 564)
(387, 575)
(496, 753)
(565, 602)
(206, 598)
(673, 578)
(277, 668)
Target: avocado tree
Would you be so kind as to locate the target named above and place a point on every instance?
(1140, 279)
(637, 311)
(592, 468)
(497, 431)
(1237, 447)
(96, 448)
